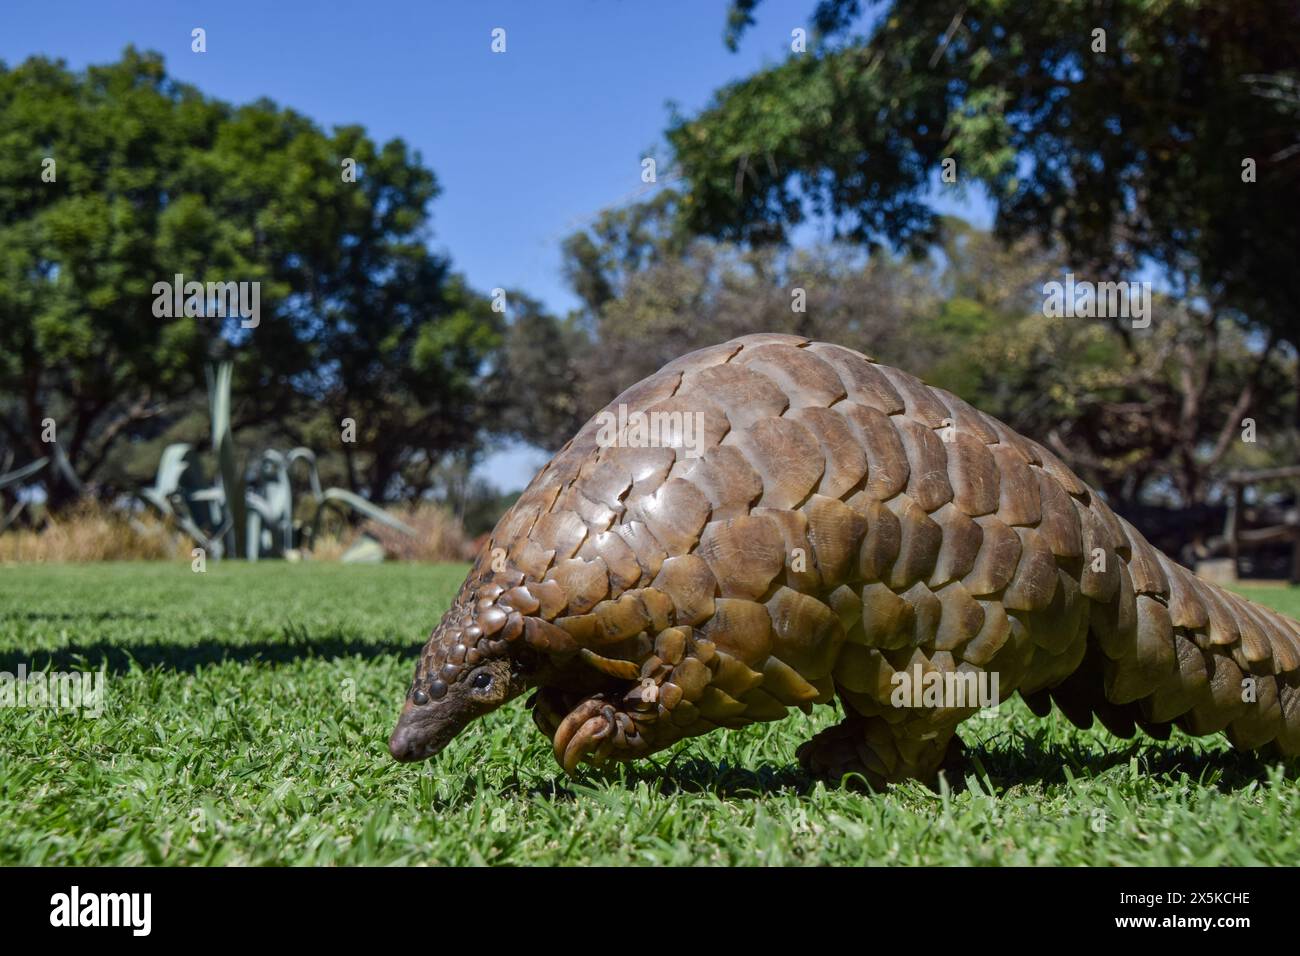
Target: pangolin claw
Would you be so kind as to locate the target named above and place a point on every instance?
(595, 731)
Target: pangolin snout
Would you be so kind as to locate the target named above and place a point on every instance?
(420, 733)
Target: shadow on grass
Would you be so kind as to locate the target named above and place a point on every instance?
(120, 658)
(1028, 763)
(1027, 759)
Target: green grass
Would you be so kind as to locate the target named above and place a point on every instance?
(248, 710)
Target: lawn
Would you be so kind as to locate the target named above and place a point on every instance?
(248, 708)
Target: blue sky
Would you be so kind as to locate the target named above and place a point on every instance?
(527, 145)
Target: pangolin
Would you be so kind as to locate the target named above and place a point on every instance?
(831, 527)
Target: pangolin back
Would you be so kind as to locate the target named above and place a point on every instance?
(842, 522)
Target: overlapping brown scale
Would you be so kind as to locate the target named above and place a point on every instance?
(675, 514)
(863, 381)
(1100, 576)
(919, 543)
(621, 618)
(835, 531)
(998, 557)
(806, 634)
(786, 457)
(1034, 582)
(923, 403)
(961, 620)
(649, 390)
(805, 378)
(1058, 470)
(1223, 624)
(786, 684)
(518, 521)
(755, 340)
(926, 613)
(972, 473)
(703, 358)
(1256, 650)
(995, 630)
(735, 677)
(741, 628)
(760, 705)
(1149, 661)
(1065, 619)
(847, 605)
(865, 671)
(1144, 564)
(845, 460)
(548, 638)
(720, 707)
(691, 585)
(887, 466)
(742, 394)
(927, 483)
(551, 598)
(1186, 685)
(659, 606)
(560, 531)
(800, 565)
(726, 479)
(649, 552)
(744, 554)
(605, 482)
(1113, 622)
(614, 667)
(530, 557)
(1018, 502)
(1285, 653)
(686, 424)
(962, 542)
(1011, 661)
(596, 516)
(648, 467)
(1186, 609)
(620, 561)
(966, 419)
(884, 537)
(1028, 450)
(1059, 524)
(1259, 723)
(1288, 736)
(888, 621)
(564, 467)
(1222, 703)
(585, 583)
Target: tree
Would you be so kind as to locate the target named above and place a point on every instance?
(150, 178)
(1120, 131)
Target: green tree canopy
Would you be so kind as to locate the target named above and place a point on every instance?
(151, 178)
(1126, 154)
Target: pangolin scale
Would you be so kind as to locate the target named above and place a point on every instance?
(838, 522)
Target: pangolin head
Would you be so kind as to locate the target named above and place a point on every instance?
(476, 659)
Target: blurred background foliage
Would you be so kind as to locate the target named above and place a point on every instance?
(1118, 165)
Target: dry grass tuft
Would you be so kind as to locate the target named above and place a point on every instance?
(91, 531)
(439, 537)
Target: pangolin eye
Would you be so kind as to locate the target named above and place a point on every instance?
(482, 680)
